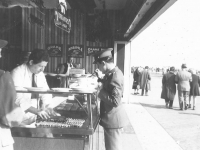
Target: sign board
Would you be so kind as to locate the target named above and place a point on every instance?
(76, 71)
(92, 50)
(75, 51)
(62, 22)
(55, 50)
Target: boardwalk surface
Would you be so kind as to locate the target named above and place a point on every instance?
(159, 128)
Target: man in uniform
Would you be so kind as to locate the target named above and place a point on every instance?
(113, 116)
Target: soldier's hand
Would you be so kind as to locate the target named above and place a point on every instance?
(98, 73)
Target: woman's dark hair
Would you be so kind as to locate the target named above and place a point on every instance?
(39, 55)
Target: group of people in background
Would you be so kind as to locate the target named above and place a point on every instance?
(187, 82)
(141, 80)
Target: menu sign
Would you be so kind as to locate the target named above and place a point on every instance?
(62, 22)
(54, 50)
(75, 51)
(92, 50)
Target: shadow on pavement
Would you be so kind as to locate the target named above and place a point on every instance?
(184, 113)
(153, 106)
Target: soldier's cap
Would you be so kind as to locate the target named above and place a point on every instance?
(3, 43)
(102, 54)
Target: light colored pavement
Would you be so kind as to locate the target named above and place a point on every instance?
(159, 128)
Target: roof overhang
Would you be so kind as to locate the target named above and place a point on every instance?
(148, 13)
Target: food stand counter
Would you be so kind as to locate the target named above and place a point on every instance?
(74, 129)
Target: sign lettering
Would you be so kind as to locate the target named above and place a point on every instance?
(54, 50)
(75, 51)
(92, 50)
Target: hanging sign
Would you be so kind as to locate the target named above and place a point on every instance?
(60, 20)
(75, 51)
(54, 50)
(92, 50)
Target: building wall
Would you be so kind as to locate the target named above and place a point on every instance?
(10, 30)
(36, 37)
(25, 36)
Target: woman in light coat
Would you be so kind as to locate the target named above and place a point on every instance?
(144, 81)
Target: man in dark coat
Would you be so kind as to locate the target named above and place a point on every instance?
(144, 81)
(136, 77)
(169, 87)
(113, 116)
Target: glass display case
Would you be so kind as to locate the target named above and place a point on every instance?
(76, 125)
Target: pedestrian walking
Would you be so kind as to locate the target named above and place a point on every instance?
(183, 78)
(194, 88)
(136, 76)
(169, 88)
(144, 81)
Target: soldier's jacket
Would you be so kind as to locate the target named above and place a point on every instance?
(112, 113)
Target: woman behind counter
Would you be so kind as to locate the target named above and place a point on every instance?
(10, 114)
(31, 74)
(63, 70)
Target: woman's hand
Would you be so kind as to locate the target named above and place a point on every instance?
(43, 114)
(51, 112)
(47, 113)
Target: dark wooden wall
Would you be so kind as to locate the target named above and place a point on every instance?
(55, 35)
(29, 35)
(10, 30)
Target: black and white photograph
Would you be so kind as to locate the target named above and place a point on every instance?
(99, 75)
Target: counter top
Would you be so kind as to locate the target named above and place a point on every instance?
(71, 91)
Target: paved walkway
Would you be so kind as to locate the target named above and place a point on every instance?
(158, 128)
